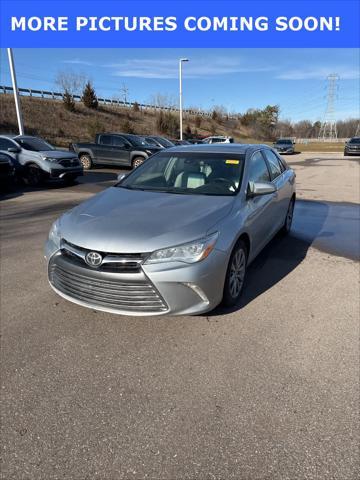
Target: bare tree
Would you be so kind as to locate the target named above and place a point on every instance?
(163, 100)
(70, 82)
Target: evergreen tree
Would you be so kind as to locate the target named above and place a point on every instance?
(89, 97)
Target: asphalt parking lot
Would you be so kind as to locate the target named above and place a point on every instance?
(268, 390)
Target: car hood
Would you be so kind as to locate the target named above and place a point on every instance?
(126, 221)
(283, 145)
(58, 154)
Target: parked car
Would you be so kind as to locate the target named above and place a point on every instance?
(118, 149)
(7, 171)
(36, 160)
(352, 146)
(161, 142)
(176, 235)
(181, 142)
(195, 141)
(285, 145)
(218, 139)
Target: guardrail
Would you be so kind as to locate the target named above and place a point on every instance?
(29, 92)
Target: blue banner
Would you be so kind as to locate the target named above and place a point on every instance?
(170, 24)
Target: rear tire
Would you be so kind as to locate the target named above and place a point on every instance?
(137, 161)
(285, 230)
(86, 161)
(235, 275)
(34, 176)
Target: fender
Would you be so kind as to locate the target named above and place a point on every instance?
(82, 150)
(138, 153)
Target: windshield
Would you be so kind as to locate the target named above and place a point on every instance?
(151, 141)
(284, 141)
(137, 140)
(34, 144)
(355, 140)
(188, 173)
(164, 142)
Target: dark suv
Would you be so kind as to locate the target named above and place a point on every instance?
(352, 146)
(118, 149)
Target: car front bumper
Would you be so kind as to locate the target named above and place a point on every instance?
(157, 289)
(352, 151)
(66, 172)
(286, 150)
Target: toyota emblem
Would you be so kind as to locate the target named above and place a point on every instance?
(93, 259)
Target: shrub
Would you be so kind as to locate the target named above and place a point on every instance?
(136, 107)
(167, 123)
(188, 131)
(95, 127)
(89, 97)
(198, 120)
(127, 127)
(69, 102)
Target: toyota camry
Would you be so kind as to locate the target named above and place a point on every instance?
(176, 235)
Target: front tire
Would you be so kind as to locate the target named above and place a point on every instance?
(137, 161)
(86, 161)
(285, 230)
(235, 275)
(34, 176)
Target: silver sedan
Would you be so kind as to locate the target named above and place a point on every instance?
(176, 235)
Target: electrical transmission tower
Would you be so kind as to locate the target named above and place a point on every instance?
(328, 130)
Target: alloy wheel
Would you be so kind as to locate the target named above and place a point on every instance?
(237, 273)
(137, 162)
(86, 162)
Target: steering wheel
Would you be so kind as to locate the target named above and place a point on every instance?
(225, 180)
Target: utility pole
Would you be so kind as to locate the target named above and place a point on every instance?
(328, 130)
(16, 91)
(181, 60)
(125, 92)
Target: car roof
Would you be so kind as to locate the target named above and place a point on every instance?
(14, 137)
(8, 135)
(235, 148)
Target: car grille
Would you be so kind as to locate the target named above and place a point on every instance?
(112, 262)
(67, 162)
(122, 295)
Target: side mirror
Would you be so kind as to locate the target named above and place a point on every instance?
(121, 176)
(256, 189)
(14, 150)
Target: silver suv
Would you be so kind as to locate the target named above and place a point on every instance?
(218, 139)
(36, 160)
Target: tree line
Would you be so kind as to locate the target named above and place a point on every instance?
(262, 124)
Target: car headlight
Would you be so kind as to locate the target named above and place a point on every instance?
(54, 234)
(188, 252)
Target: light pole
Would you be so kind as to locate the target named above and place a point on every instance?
(181, 60)
(16, 92)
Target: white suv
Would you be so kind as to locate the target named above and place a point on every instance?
(218, 139)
